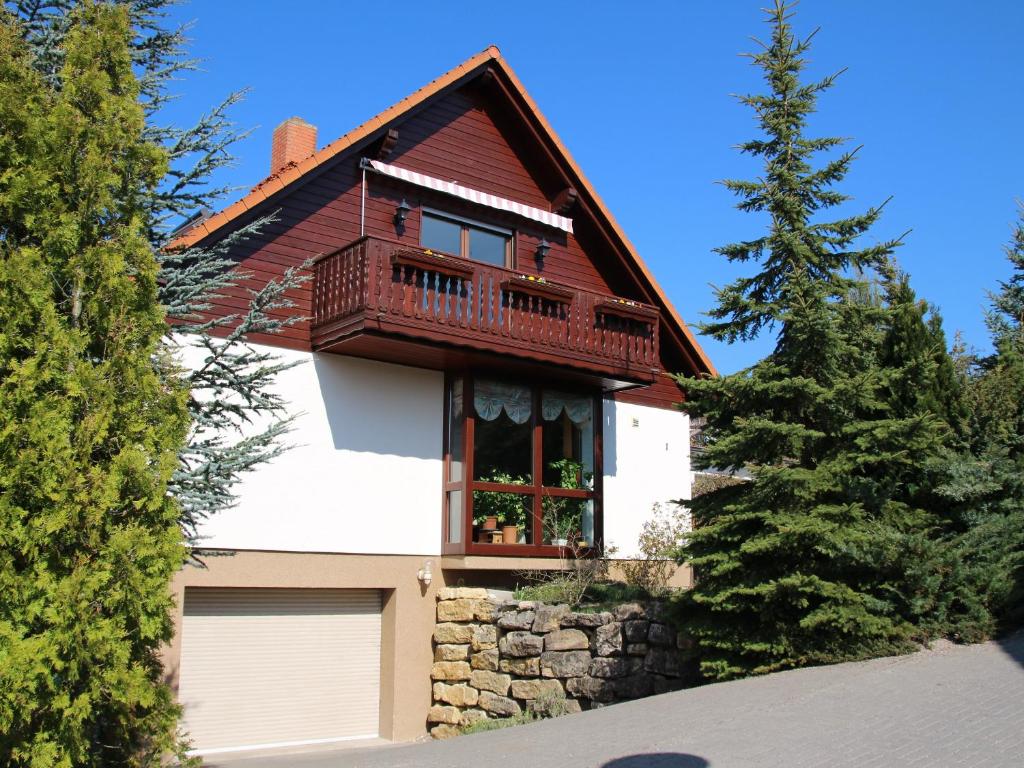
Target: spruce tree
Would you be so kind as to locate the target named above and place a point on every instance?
(923, 377)
(796, 567)
(934, 583)
(985, 484)
(999, 415)
(238, 420)
(1006, 318)
(93, 414)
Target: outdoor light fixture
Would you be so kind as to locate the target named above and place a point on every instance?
(542, 251)
(402, 213)
(424, 574)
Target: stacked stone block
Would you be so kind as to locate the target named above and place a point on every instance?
(495, 658)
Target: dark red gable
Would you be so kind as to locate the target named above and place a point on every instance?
(474, 125)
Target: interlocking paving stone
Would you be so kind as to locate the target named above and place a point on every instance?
(950, 706)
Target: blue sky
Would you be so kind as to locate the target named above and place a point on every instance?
(640, 94)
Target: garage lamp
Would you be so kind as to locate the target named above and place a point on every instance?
(425, 574)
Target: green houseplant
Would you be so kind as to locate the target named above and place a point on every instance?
(510, 509)
(563, 517)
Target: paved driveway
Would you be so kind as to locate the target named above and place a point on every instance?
(950, 706)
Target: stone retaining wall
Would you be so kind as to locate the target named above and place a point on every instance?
(494, 658)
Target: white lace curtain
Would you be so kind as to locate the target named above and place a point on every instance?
(579, 408)
(490, 397)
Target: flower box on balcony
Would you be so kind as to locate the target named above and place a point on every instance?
(631, 310)
(541, 288)
(434, 262)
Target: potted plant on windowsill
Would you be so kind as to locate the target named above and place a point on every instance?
(561, 528)
(563, 516)
(505, 508)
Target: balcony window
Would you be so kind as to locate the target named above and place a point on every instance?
(521, 475)
(468, 239)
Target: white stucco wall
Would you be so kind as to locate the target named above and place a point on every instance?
(365, 472)
(646, 461)
(364, 475)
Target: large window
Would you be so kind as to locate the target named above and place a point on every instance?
(469, 239)
(520, 467)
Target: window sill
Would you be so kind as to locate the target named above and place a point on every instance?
(515, 550)
(501, 563)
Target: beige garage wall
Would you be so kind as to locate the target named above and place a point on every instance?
(407, 621)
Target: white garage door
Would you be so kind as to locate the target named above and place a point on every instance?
(279, 667)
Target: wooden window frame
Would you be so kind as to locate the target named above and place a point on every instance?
(536, 489)
(466, 224)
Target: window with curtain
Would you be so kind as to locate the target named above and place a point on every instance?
(531, 466)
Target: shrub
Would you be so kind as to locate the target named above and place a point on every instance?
(660, 538)
(578, 571)
(497, 723)
(547, 705)
(706, 482)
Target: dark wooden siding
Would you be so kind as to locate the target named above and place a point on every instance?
(317, 217)
(459, 138)
(663, 393)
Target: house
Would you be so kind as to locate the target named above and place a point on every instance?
(482, 339)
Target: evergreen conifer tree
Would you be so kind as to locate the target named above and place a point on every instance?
(985, 485)
(914, 349)
(999, 415)
(238, 421)
(921, 564)
(801, 565)
(1006, 318)
(93, 414)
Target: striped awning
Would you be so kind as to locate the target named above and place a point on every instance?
(473, 195)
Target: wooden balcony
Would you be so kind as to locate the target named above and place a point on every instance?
(382, 299)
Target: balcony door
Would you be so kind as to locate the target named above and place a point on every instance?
(469, 239)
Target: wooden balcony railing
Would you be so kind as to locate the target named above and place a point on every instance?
(388, 288)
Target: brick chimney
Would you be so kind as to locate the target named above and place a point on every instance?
(294, 140)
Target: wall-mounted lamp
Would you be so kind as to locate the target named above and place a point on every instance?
(425, 574)
(543, 247)
(402, 213)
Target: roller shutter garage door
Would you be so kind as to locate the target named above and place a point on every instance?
(279, 667)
